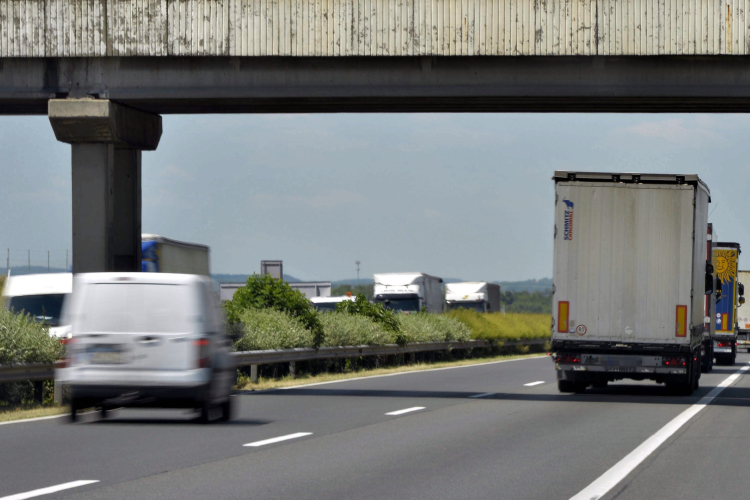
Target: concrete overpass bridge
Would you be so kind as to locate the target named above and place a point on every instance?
(105, 69)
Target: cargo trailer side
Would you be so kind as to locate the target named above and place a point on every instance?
(743, 316)
(629, 278)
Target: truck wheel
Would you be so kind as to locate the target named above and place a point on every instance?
(580, 387)
(227, 409)
(565, 386)
(680, 388)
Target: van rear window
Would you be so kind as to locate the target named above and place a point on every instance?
(137, 308)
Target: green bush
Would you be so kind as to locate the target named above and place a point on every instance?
(266, 292)
(376, 312)
(22, 340)
(424, 327)
(350, 329)
(271, 329)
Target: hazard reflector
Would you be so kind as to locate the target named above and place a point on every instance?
(681, 325)
(563, 310)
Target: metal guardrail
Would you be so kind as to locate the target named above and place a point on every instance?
(42, 371)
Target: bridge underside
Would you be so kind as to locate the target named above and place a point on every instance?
(165, 85)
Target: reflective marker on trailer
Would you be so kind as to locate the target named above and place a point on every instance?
(563, 310)
(681, 323)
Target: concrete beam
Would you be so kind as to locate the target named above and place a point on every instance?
(90, 121)
(383, 84)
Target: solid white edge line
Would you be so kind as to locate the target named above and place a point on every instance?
(36, 419)
(50, 489)
(406, 410)
(483, 395)
(532, 384)
(401, 373)
(624, 467)
(275, 440)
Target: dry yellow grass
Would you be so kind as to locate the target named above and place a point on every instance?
(266, 384)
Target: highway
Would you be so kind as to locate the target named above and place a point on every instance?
(497, 430)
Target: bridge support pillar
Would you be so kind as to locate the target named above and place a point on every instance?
(106, 141)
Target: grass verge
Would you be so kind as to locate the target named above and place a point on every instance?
(22, 413)
(263, 384)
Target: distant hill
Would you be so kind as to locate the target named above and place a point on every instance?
(540, 285)
(242, 278)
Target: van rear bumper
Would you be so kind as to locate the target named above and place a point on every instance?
(144, 396)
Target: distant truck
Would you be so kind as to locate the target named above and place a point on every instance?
(629, 279)
(165, 255)
(743, 315)
(725, 257)
(42, 297)
(409, 292)
(479, 296)
(328, 304)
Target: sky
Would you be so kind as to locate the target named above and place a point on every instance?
(465, 196)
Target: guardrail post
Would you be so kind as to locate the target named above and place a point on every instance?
(39, 392)
(293, 369)
(254, 373)
(58, 392)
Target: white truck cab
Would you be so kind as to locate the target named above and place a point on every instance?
(328, 304)
(41, 296)
(142, 339)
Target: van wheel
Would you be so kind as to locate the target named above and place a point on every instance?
(205, 409)
(73, 410)
(565, 386)
(103, 413)
(227, 410)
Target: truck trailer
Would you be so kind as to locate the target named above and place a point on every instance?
(479, 296)
(725, 257)
(165, 255)
(629, 279)
(409, 292)
(743, 315)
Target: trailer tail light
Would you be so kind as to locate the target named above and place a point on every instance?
(724, 344)
(563, 310)
(568, 359)
(680, 329)
(204, 360)
(673, 361)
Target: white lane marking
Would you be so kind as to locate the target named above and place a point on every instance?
(275, 440)
(483, 395)
(621, 469)
(532, 384)
(406, 410)
(51, 489)
(36, 419)
(403, 373)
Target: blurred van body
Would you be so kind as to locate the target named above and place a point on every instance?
(143, 339)
(41, 296)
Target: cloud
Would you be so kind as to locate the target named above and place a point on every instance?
(697, 133)
(331, 199)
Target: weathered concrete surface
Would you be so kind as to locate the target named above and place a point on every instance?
(336, 28)
(77, 121)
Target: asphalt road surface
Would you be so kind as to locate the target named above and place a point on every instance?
(497, 430)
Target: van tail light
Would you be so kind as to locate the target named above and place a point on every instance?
(204, 359)
(568, 359)
(67, 344)
(673, 361)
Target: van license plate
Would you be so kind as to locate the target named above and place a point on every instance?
(625, 369)
(105, 355)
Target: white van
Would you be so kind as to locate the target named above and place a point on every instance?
(328, 304)
(142, 339)
(41, 296)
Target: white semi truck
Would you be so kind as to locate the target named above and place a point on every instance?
(409, 292)
(479, 296)
(629, 279)
(743, 315)
(165, 255)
